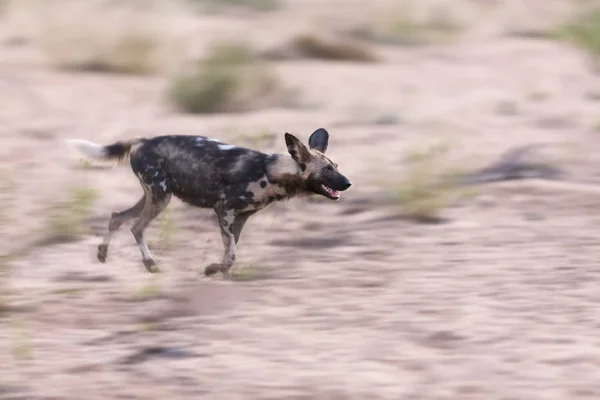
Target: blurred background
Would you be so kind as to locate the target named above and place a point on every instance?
(409, 287)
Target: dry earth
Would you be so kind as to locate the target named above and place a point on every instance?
(341, 300)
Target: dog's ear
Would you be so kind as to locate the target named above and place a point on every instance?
(319, 140)
(297, 149)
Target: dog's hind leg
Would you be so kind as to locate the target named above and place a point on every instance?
(116, 220)
(157, 198)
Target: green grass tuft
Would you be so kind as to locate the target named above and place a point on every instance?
(311, 46)
(126, 38)
(21, 343)
(150, 290)
(404, 25)
(423, 191)
(230, 79)
(66, 221)
(219, 5)
(584, 31)
(167, 228)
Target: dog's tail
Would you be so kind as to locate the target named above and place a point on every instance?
(116, 151)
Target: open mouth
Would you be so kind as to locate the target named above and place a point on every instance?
(332, 194)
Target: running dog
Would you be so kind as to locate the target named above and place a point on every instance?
(234, 181)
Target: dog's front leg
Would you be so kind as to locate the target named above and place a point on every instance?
(226, 223)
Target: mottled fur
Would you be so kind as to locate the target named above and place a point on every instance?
(234, 181)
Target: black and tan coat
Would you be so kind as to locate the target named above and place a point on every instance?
(234, 181)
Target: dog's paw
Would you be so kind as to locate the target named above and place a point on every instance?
(212, 269)
(151, 265)
(102, 251)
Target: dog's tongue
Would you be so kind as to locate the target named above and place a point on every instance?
(334, 193)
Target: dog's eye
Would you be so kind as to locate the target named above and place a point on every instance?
(329, 168)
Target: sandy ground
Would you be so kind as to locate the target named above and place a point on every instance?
(342, 300)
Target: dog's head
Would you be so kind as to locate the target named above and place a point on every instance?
(320, 173)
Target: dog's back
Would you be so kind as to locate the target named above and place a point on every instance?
(199, 169)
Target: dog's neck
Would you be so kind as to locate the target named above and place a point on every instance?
(280, 166)
(284, 171)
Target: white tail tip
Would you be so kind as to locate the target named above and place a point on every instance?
(90, 149)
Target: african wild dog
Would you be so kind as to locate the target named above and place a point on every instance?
(234, 181)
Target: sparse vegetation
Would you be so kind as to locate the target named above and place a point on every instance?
(530, 33)
(126, 43)
(231, 78)
(387, 119)
(592, 95)
(217, 5)
(584, 31)
(85, 164)
(133, 53)
(408, 25)
(311, 46)
(21, 344)
(6, 191)
(146, 326)
(66, 222)
(5, 306)
(538, 96)
(67, 291)
(148, 291)
(166, 228)
(248, 273)
(423, 191)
